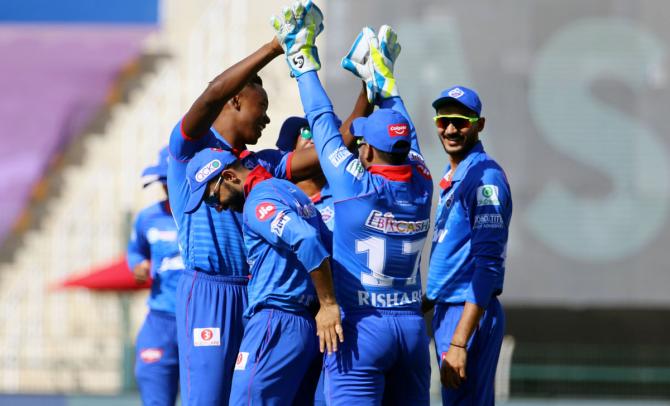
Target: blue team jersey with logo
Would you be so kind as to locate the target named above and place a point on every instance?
(383, 213)
(210, 241)
(467, 261)
(154, 238)
(325, 205)
(283, 236)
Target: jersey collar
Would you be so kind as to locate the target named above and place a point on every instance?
(239, 153)
(396, 173)
(463, 167)
(256, 176)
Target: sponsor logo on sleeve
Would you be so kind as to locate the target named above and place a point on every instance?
(398, 130)
(154, 235)
(207, 170)
(306, 211)
(151, 355)
(207, 337)
(455, 93)
(487, 195)
(338, 156)
(278, 224)
(265, 210)
(241, 362)
(489, 220)
(355, 168)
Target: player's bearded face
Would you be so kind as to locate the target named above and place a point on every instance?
(458, 136)
(253, 113)
(231, 197)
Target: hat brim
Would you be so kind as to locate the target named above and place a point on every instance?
(194, 200)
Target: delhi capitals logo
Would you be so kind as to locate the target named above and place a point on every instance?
(455, 93)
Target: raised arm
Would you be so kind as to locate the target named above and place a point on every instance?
(225, 86)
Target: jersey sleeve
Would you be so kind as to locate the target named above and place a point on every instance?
(396, 103)
(344, 172)
(490, 208)
(281, 226)
(138, 246)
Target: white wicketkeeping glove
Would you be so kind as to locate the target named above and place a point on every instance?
(296, 30)
(372, 58)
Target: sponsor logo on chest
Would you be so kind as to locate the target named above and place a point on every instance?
(387, 223)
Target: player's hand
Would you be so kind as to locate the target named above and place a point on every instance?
(141, 271)
(296, 29)
(452, 368)
(372, 58)
(329, 327)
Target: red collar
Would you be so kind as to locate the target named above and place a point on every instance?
(256, 176)
(240, 154)
(445, 182)
(315, 198)
(398, 173)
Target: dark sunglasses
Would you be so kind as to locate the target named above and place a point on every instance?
(306, 133)
(458, 121)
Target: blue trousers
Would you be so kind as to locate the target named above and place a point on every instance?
(279, 360)
(384, 359)
(157, 359)
(210, 324)
(483, 352)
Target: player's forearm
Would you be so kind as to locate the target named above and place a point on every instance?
(362, 108)
(207, 107)
(314, 99)
(467, 324)
(323, 284)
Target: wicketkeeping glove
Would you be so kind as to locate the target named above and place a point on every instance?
(296, 30)
(372, 58)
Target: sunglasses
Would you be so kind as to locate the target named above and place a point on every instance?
(458, 121)
(360, 141)
(306, 133)
(212, 200)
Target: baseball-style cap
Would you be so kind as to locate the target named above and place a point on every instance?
(463, 95)
(203, 167)
(383, 129)
(158, 172)
(289, 133)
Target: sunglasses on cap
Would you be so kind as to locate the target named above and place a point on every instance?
(458, 121)
(305, 133)
(212, 200)
(360, 141)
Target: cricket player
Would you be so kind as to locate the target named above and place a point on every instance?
(467, 262)
(382, 207)
(212, 293)
(290, 279)
(153, 251)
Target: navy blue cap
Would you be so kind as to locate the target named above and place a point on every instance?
(289, 133)
(203, 167)
(383, 129)
(463, 95)
(158, 172)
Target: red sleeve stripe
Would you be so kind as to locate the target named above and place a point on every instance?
(289, 162)
(183, 134)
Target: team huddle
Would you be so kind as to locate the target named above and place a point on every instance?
(290, 276)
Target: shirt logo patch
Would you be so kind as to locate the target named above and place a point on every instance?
(241, 362)
(455, 93)
(265, 210)
(154, 235)
(355, 168)
(171, 264)
(327, 214)
(398, 130)
(492, 220)
(207, 170)
(338, 156)
(151, 355)
(206, 337)
(487, 195)
(278, 224)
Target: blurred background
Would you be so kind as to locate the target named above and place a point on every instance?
(576, 97)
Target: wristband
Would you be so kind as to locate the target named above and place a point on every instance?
(459, 346)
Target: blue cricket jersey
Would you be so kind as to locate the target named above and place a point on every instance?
(383, 213)
(282, 234)
(325, 205)
(154, 238)
(210, 241)
(467, 261)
